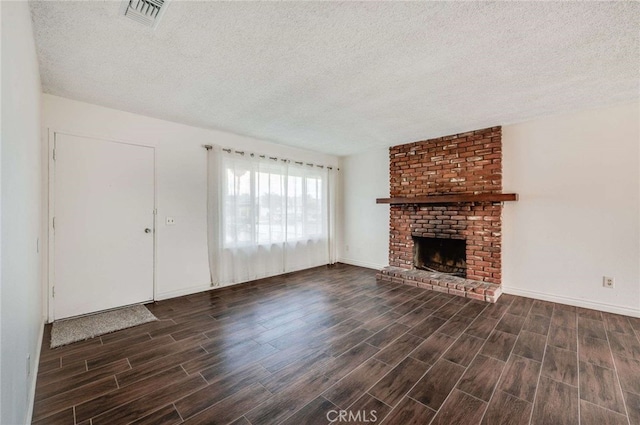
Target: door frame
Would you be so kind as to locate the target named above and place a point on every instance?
(51, 173)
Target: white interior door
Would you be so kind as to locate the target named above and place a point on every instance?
(103, 227)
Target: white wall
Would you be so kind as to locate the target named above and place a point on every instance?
(365, 225)
(21, 291)
(181, 261)
(577, 219)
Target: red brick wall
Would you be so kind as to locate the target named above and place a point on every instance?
(463, 163)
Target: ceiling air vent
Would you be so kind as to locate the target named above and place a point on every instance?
(146, 12)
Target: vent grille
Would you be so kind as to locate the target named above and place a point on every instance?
(146, 12)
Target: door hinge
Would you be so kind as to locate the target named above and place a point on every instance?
(53, 292)
(54, 223)
(54, 154)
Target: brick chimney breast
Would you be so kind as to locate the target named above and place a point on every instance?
(466, 163)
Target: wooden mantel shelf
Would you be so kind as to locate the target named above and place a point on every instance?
(451, 199)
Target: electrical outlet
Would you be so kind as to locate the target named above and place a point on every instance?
(608, 282)
(170, 221)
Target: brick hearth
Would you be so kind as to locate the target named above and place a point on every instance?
(466, 163)
(439, 282)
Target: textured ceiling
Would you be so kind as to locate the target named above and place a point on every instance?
(343, 77)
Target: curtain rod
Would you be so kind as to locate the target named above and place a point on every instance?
(229, 150)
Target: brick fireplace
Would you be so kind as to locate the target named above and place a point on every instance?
(462, 164)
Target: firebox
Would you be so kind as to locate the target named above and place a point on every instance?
(440, 255)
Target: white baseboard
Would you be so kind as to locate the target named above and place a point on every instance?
(182, 292)
(359, 263)
(202, 288)
(610, 308)
(34, 374)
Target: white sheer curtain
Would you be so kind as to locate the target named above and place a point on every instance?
(332, 183)
(268, 217)
(307, 235)
(214, 167)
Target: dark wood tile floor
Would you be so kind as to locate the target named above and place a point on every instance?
(294, 348)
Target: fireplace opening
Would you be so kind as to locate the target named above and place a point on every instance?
(440, 255)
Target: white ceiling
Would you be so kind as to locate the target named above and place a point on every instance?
(343, 77)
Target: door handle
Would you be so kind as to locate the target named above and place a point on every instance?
(147, 230)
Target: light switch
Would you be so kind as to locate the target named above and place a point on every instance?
(170, 221)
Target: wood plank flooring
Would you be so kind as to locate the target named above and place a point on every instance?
(293, 349)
